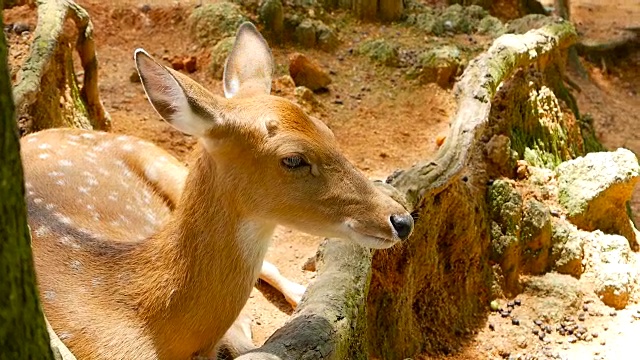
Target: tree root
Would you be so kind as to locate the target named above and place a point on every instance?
(47, 79)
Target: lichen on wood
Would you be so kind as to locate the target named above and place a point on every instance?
(47, 93)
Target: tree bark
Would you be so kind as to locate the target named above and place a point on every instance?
(47, 94)
(23, 334)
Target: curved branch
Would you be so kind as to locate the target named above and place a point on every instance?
(49, 32)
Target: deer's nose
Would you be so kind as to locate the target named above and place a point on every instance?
(403, 224)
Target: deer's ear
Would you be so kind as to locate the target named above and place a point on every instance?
(249, 66)
(173, 97)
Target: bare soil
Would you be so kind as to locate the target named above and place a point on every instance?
(383, 123)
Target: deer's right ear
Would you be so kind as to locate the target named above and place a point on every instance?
(168, 96)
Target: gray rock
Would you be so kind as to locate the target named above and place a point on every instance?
(614, 284)
(439, 65)
(219, 55)
(558, 294)
(211, 23)
(305, 34)
(380, 50)
(271, 14)
(535, 236)
(326, 38)
(595, 190)
(567, 251)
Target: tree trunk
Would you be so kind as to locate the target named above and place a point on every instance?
(47, 93)
(23, 334)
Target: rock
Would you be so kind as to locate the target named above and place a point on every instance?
(176, 63)
(492, 26)
(219, 55)
(439, 65)
(20, 28)
(304, 94)
(528, 22)
(595, 190)
(145, 8)
(211, 23)
(283, 84)
(306, 72)
(558, 294)
(271, 14)
(535, 236)
(325, 37)
(498, 150)
(613, 284)
(380, 50)
(568, 248)
(189, 64)
(305, 34)
(463, 19)
(505, 207)
(134, 77)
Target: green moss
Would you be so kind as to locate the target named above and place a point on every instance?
(210, 23)
(380, 50)
(490, 25)
(505, 206)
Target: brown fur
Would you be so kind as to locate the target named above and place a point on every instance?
(128, 271)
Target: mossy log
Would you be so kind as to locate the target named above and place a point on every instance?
(429, 292)
(47, 93)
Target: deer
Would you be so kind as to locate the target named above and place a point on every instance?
(137, 257)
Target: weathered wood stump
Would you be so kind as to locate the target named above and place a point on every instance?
(47, 93)
(428, 292)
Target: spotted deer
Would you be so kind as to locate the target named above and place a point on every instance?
(138, 259)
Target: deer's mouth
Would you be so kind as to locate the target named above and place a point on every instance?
(366, 238)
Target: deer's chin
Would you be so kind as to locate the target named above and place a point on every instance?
(367, 239)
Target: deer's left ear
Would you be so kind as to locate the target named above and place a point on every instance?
(249, 67)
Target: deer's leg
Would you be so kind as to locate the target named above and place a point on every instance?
(237, 340)
(292, 291)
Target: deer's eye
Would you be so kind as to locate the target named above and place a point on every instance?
(294, 162)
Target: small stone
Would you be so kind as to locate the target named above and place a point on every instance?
(504, 314)
(548, 329)
(535, 331)
(494, 305)
(572, 339)
(20, 28)
(189, 64)
(537, 322)
(585, 308)
(176, 63)
(306, 72)
(613, 313)
(145, 8)
(517, 302)
(515, 321)
(134, 77)
(582, 316)
(492, 327)
(511, 304)
(595, 334)
(541, 336)
(603, 342)
(588, 337)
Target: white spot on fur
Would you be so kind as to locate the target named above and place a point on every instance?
(73, 143)
(76, 265)
(151, 172)
(28, 185)
(65, 336)
(50, 206)
(91, 207)
(65, 162)
(83, 190)
(37, 200)
(74, 137)
(103, 172)
(63, 219)
(56, 174)
(67, 241)
(32, 139)
(44, 156)
(92, 181)
(91, 154)
(127, 147)
(88, 136)
(122, 138)
(50, 295)
(60, 182)
(42, 231)
(113, 196)
(30, 192)
(44, 146)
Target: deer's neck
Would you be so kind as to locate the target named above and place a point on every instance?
(207, 258)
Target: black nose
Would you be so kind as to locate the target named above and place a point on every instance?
(403, 224)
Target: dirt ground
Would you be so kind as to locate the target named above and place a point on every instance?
(383, 123)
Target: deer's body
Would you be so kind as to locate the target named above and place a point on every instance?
(130, 266)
